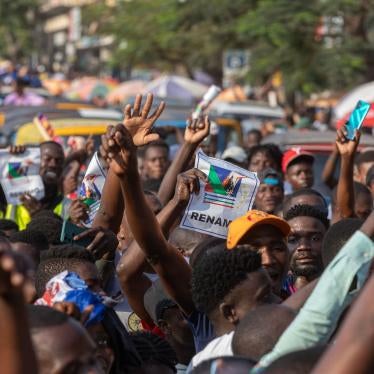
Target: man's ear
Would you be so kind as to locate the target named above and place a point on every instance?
(164, 326)
(228, 312)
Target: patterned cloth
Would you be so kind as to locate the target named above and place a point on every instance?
(69, 287)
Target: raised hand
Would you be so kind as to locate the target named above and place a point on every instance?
(197, 130)
(121, 150)
(138, 121)
(31, 204)
(188, 183)
(17, 149)
(78, 212)
(345, 146)
(104, 242)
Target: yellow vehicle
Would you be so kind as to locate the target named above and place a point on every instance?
(64, 128)
(68, 122)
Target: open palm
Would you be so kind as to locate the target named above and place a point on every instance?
(138, 121)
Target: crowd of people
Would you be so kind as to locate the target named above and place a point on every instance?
(288, 290)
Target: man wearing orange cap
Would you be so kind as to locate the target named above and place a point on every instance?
(297, 166)
(265, 234)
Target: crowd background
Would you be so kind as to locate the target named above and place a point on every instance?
(122, 288)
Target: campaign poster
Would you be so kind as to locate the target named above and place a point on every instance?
(228, 194)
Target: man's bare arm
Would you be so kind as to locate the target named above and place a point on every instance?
(165, 259)
(196, 132)
(133, 263)
(352, 351)
(345, 193)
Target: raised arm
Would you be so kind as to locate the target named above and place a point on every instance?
(298, 299)
(329, 169)
(196, 132)
(336, 289)
(132, 265)
(345, 193)
(111, 208)
(165, 259)
(352, 351)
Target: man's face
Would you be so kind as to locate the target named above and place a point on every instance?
(177, 326)
(155, 162)
(270, 243)
(261, 161)
(252, 292)
(253, 139)
(305, 245)
(51, 163)
(104, 352)
(268, 197)
(65, 348)
(300, 175)
(363, 205)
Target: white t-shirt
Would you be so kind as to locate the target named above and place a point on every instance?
(218, 347)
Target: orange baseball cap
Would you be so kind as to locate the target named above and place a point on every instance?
(242, 225)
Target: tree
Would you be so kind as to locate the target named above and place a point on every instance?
(316, 44)
(170, 34)
(16, 28)
(301, 40)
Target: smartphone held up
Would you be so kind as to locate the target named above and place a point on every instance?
(356, 118)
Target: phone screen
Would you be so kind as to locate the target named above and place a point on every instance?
(357, 117)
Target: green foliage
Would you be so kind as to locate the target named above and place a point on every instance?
(169, 33)
(192, 34)
(281, 34)
(16, 27)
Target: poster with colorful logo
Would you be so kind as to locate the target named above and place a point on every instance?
(15, 188)
(19, 174)
(91, 188)
(228, 194)
(22, 165)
